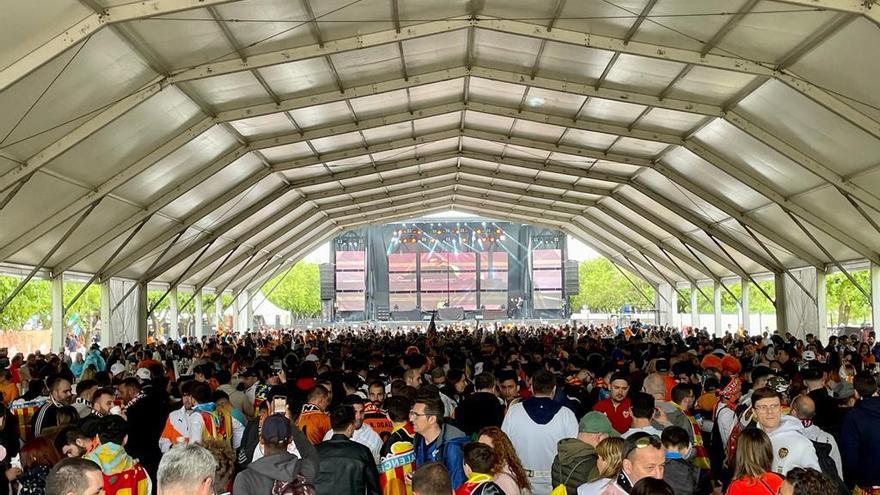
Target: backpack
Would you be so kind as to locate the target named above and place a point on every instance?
(299, 486)
(829, 467)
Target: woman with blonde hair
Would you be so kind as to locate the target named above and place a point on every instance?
(610, 461)
(754, 465)
(509, 475)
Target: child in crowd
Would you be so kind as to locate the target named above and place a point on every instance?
(479, 462)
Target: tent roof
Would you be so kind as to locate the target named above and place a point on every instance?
(212, 143)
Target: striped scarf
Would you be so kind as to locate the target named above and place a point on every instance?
(701, 455)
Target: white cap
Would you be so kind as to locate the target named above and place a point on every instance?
(809, 356)
(312, 357)
(143, 374)
(117, 368)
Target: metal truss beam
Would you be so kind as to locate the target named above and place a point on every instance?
(81, 29)
(102, 190)
(868, 8)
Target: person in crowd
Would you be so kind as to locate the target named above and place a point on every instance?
(804, 409)
(277, 468)
(643, 411)
(38, 456)
(225, 457)
(232, 421)
(576, 458)
(827, 414)
(59, 396)
(508, 388)
(122, 473)
(791, 448)
(143, 413)
(431, 479)
(237, 398)
(509, 474)
(482, 408)
(85, 391)
(479, 462)
(535, 427)
(75, 476)
(177, 426)
(345, 466)
(679, 472)
(860, 435)
(313, 420)
(188, 470)
(610, 461)
(435, 440)
(617, 405)
(72, 442)
(8, 389)
(204, 421)
(754, 471)
(671, 413)
(643, 457)
(362, 434)
(397, 459)
(800, 481)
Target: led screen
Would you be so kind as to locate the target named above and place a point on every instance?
(404, 301)
(462, 261)
(402, 262)
(349, 260)
(350, 281)
(547, 299)
(433, 261)
(547, 279)
(493, 300)
(350, 301)
(547, 258)
(459, 281)
(494, 280)
(493, 261)
(402, 282)
(435, 281)
(466, 300)
(432, 300)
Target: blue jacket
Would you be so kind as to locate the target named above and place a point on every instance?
(860, 443)
(94, 357)
(446, 449)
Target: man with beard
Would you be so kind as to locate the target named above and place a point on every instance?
(59, 396)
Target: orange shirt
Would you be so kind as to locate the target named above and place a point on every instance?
(9, 391)
(314, 423)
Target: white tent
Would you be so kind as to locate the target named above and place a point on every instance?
(209, 144)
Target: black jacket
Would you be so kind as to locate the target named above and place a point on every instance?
(685, 478)
(860, 443)
(477, 411)
(250, 439)
(145, 424)
(346, 467)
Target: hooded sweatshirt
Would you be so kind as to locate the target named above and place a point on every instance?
(860, 443)
(791, 448)
(260, 475)
(574, 465)
(535, 427)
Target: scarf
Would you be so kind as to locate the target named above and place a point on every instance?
(134, 401)
(112, 458)
(701, 455)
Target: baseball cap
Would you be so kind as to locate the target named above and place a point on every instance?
(276, 429)
(143, 374)
(596, 422)
(809, 356)
(117, 368)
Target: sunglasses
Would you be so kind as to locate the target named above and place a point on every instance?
(652, 440)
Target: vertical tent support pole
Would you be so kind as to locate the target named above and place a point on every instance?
(744, 307)
(197, 315)
(173, 314)
(106, 314)
(716, 308)
(58, 313)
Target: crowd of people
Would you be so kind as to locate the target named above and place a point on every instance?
(552, 409)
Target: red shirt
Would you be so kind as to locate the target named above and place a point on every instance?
(768, 484)
(620, 417)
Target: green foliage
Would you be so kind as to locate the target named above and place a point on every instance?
(86, 311)
(603, 287)
(845, 303)
(298, 292)
(34, 301)
(757, 302)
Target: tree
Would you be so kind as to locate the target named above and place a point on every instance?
(845, 303)
(297, 291)
(604, 288)
(86, 311)
(33, 303)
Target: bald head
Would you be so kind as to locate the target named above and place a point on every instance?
(803, 407)
(655, 385)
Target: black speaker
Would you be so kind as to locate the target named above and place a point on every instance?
(327, 273)
(571, 282)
